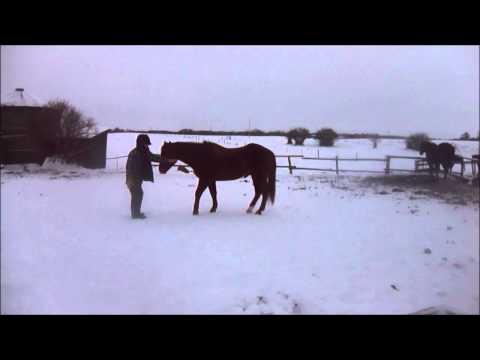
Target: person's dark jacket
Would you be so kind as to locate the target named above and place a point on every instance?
(139, 167)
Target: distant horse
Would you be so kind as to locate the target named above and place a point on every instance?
(443, 154)
(431, 150)
(211, 162)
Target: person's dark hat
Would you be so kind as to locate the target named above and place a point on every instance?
(143, 139)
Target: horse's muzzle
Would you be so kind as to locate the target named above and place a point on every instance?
(165, 165)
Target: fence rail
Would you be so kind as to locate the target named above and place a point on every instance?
(387, 160)
(420, 163)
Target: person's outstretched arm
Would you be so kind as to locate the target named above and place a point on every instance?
(154, 157)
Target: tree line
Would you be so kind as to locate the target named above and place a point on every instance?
(75, 124)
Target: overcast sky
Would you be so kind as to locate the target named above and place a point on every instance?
(385, 89)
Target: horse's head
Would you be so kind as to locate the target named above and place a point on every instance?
(425, 147)
(167, 152)
(167, 159)
(165, 165)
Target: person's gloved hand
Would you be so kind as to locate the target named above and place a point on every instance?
(183, 169)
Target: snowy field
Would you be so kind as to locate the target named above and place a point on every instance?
(329, 245)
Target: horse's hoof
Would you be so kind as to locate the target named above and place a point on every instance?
(195, 213)
(213, 210)
(249, 211)
(258, 213)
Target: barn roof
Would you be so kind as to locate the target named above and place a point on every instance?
(20, 97)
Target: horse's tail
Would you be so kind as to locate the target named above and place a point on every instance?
(272, 181)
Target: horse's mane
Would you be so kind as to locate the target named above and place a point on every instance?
(190, 143)
(209, 143)
(194, 143)
(202, 145)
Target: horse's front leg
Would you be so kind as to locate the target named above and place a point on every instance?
(202, 185)
(213, 191)
(431, 168)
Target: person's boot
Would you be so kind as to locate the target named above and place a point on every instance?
(136, 205)
(136, 213)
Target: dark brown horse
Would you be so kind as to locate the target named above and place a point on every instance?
(443, 154)
(211, 162)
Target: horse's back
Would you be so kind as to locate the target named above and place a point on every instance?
(251, 149)
(260, 152)
(446, 148)
(258, 148)
(446, 152)
(232, 163)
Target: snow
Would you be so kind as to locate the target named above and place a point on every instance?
(327, 246)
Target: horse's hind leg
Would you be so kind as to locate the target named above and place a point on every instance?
(258, 192)
(213, 191)
(264, 196)
(202, 185)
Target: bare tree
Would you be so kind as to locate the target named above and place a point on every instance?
(73, 123)
(414, 140)
(326, 136)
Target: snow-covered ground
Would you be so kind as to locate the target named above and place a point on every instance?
(327, 246)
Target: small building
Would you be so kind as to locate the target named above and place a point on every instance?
(28, 132)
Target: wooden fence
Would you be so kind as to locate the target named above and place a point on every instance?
(419, 166)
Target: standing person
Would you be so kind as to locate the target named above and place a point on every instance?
(139, 169)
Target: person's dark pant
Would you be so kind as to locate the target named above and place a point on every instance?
(136, 191)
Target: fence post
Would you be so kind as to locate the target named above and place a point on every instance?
(289, 165)
(116, 163)
(336, 164)
(387, 164)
